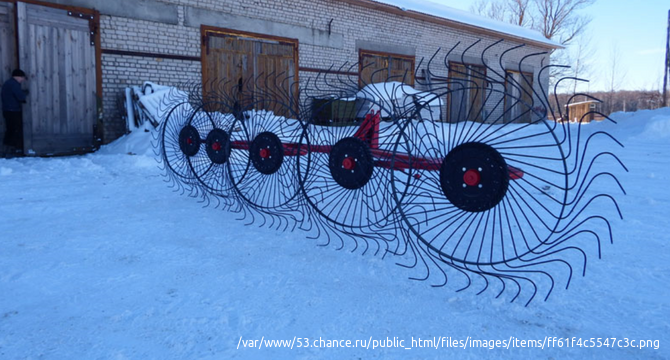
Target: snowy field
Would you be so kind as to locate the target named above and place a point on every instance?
(100, 259)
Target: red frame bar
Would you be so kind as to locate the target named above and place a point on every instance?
(369, 132)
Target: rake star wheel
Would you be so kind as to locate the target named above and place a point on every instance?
(474, 177)
(178, 141)
(470, 212)
(344, 173)
(479, 214)
(351, 163)
(210, 164)
(217, 146)
(264, 172)
(267, 153)
(189, 141)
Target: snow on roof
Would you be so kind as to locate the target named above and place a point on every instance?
(468, 18)
(584, 102)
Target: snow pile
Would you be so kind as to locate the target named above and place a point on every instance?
(656, 123)
(138, 142)
(640, 125)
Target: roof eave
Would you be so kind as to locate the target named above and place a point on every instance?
(370, 4)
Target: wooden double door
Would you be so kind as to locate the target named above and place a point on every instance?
(377, 67)
(56, 47)
(257, 71)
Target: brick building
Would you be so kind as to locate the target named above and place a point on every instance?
(175, 41)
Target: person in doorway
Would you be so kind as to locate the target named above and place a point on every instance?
(12, 98)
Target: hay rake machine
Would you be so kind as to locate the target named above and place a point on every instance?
(464, 178)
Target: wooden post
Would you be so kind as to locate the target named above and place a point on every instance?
(667, 65)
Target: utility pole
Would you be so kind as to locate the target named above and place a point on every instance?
(667, 65)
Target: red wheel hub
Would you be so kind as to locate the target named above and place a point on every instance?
(348, 163)
(216, 146)
(265, 153)
(472, 177)
(189, 141)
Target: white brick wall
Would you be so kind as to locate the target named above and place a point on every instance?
(120, 71)
(354, 23)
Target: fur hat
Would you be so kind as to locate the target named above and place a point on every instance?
(19, 73)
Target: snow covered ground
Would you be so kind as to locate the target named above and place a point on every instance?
(101, 259)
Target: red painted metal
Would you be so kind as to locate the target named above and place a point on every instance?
(265, 153)
(514, 173)
(472, 177)
(368, 131)
(348, 163)
(216, 146)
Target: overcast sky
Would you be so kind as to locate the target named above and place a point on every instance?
(638, 28)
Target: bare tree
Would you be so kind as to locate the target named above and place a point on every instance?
(616, 75)
(511, 11)
(519, 12)
(560, 20)
(493, 9)
(580, 59)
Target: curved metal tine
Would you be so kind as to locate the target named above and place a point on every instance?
(488, 82)
(427, 69)
(581, 180)
(518, 99)
(531, 249)
(461, 85)
(578, 140)
(467, 78)
(344, 86)
(445, 81)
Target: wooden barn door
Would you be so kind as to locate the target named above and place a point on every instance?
(376, 67)
(57, 53)
(256, 71)
(7, 41)
(518, 104)
(278, 59)
(467, 88)
(7, 50)
(229, 68)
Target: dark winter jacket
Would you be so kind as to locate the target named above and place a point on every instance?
(12, 95)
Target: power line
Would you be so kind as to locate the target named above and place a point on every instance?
(667, 65)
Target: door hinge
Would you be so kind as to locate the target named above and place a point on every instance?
(92, 24)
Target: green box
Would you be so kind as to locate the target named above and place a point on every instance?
(334, 112)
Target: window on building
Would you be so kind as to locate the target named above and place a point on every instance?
(375, 67)
(519, 98)
(467, 86)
